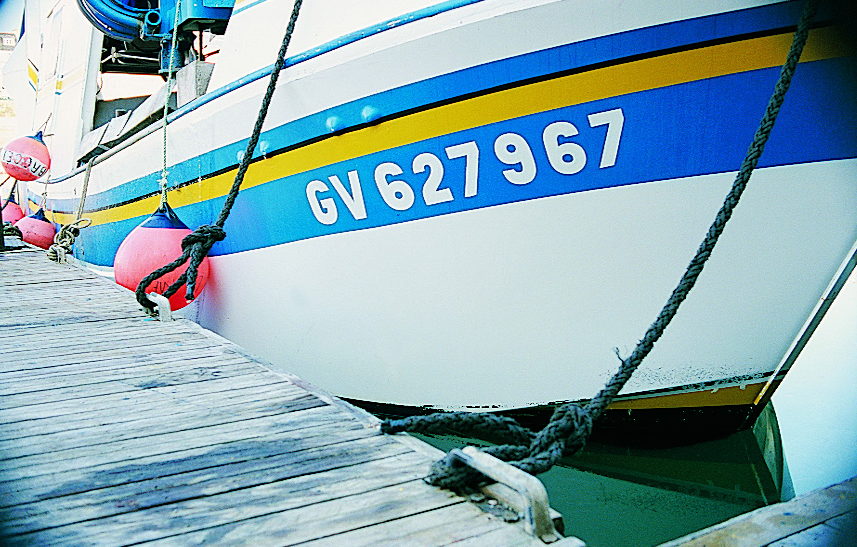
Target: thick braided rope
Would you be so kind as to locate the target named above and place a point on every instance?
(485, 425)
(10, 229)
(263, 111)
(600, 402)
(11, 193)
(64, 238)
(570, 425)
(195, 246)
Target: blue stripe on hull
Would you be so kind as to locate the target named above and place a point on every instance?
(477, 79)
(678, 131)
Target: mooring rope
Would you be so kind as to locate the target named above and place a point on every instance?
(162, 182)
(65, 236)
(195, 246)
(11, 192)
(10, 229)
(571, 424)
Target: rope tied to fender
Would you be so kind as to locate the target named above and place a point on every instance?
(196, 245)
(571, 423)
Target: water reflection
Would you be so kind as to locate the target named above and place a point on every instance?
(617, 496)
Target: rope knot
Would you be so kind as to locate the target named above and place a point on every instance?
(206, 235)
(10, 229)
(64, 239)
(567, 431)
(195, 246)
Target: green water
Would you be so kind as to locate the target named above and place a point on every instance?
(613, 496)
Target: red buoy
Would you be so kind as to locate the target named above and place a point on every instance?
(26, 158)
(153, 244)
(11, 211)
(37, 229)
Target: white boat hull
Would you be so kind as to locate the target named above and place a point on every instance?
(524, 304)
(474, 209)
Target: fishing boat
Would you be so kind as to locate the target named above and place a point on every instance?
(469, 204)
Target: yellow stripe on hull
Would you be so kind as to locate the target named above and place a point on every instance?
(724, 396)
(636, 76)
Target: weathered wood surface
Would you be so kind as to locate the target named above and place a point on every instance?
(117, 429)
(822, 518)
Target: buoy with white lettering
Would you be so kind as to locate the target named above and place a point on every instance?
(11, 211)
(153, 244)
(37, 229)
(26, 158)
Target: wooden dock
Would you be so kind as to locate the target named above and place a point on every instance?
(117, 429)
(826, 517)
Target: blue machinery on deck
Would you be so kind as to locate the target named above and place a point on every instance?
(130, 20)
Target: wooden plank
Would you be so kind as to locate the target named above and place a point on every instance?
(28, 341)
(57, 416)
(41, 338)
(777, 522)
(46, 299)
(85, 349)
(300, 524)
(100, 375)
(300, 436)
(38, 340)
(33, 274)
(63, 305)
(74, 370)
(117, 451)
(846, 522)
(244, 483)
(116, 429)
(139, 352)
(229, 401)
(839, 531)
(816, 536)
(78, 291)
(83, 436)
(30, 344)
(16, 333)
(72, 303)
(507, 536)
(216, 462)
(196, 374)
(49, 297)
(95, 313)
(442, 526)
(91, 424)
(117, 401)
(88, 372)
(53, 289)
